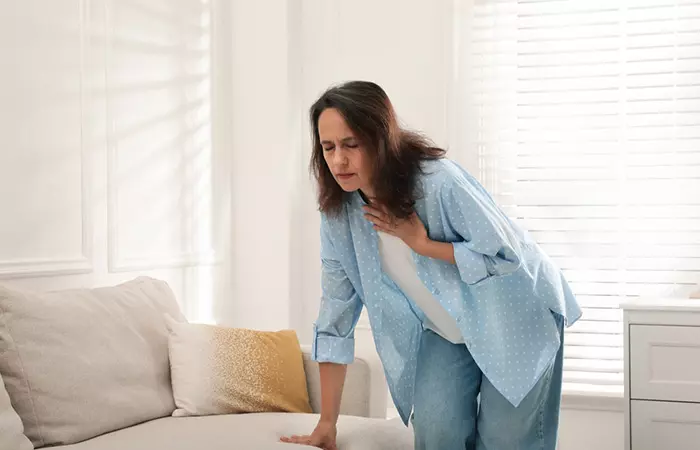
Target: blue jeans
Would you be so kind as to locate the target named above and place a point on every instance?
(457, 408)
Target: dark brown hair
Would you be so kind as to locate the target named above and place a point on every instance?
(396, 154)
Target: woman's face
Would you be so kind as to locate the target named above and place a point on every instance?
(344, 154)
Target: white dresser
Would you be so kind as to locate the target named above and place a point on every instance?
(662, 374)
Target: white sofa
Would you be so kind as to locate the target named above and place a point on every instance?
(357, 429)
(88, 370)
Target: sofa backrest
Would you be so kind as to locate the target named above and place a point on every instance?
(83, 362)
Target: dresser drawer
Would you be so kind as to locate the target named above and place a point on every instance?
(664, 363)
(665, 426)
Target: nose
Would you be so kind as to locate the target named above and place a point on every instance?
(340, 158)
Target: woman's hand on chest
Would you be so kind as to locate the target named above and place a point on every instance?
(410, 230)
(413, 232)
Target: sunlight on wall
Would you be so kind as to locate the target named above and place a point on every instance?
(158, 91)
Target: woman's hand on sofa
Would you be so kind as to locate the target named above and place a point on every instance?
(323, 437)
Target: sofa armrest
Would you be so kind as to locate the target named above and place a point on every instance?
(365, 393)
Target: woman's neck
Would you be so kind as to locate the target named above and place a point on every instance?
(367, 195)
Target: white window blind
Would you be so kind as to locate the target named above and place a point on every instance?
(585, 116)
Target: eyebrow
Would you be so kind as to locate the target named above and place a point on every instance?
(344, 140)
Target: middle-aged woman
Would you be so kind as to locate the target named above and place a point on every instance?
(466, 310)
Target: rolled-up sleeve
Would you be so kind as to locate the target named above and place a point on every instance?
(334, 329)
(489, 246)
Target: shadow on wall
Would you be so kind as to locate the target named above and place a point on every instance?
(160, 144)
(110, 114)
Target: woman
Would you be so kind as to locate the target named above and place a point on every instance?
(462, 303)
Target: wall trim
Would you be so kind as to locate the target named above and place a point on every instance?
(176, 261)
(23, 268)
(83, 263)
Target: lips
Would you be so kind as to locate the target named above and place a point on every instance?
(344, 176)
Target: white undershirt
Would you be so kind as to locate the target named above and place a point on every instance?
(397, 261)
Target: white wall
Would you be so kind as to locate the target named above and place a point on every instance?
(584, 428)
(108, 162)
(266, 158)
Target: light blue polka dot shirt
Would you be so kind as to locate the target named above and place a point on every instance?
(502, 291)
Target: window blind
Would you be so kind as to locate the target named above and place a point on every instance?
(584, 116)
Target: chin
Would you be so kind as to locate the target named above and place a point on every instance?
(349, 188)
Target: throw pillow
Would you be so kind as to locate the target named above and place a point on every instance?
(11, 430)
(219, 370)
(83, 362)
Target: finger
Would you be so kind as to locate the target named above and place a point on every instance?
(377, 221)
(386, 230)
(381, 219)
(376, 213)
(295, 439)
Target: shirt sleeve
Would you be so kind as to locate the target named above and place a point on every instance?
(489, 245)
(334, 329)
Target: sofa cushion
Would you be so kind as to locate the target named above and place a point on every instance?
(221, 370)
(79, 363)
(11, 430)
(249, 432)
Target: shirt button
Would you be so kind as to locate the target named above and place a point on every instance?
(436, 291)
